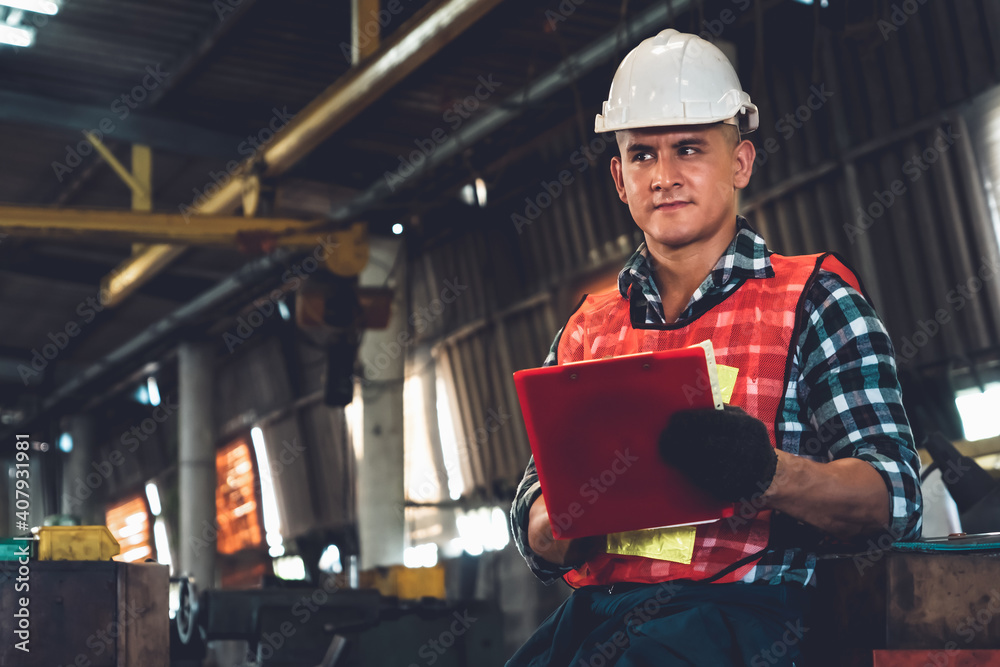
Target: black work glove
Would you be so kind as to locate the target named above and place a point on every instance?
(725, 452)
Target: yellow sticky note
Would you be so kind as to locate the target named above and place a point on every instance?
(727, 381)
(674, 544)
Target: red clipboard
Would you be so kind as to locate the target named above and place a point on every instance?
(594, 428)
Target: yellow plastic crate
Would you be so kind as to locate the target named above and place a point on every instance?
(76, 543)
(406, 583)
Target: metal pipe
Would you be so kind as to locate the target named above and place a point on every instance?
(399, 56)
(263, 268)
(556, 79)
(246, 277)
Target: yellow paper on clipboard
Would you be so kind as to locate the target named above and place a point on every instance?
(674, 544)
(727, 381)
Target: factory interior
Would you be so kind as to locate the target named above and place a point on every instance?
(267, 271)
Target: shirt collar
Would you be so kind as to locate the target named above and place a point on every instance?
(746, 257)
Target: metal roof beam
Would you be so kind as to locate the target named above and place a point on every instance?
(429, 31)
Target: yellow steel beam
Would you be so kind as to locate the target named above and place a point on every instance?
(366, 31)
(142, 170)
(118, 167)
(428, 31)
(136, 226)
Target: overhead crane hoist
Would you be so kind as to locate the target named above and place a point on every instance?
(330, 307)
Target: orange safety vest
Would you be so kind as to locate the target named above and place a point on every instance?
(754, 330)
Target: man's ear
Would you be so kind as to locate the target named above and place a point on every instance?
(744, 159)
(616, 174)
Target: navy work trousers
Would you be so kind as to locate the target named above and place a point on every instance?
(673, 623)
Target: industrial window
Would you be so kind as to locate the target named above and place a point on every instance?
(129, 522)
(236, 498)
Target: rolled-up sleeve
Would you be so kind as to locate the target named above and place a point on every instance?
(851, 391)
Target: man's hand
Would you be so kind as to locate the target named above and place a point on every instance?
(569, 553)
(726, 452)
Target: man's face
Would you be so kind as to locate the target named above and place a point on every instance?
(680, 182)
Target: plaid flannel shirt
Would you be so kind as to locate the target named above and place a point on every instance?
(843, 398)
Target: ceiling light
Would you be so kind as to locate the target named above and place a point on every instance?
(50, 7)
(397, 229)
(17, 35)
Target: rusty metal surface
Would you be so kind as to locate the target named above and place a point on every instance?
(102, 614)
(144, 640)
(938, 658)
(939, 598)
(943, 603)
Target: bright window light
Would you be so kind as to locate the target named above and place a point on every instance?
(481, 192)
(283, 309)
(423, 555)
(66, 443)
(397, 229)
(290, 568)
(50, 7)
(153, 495)
(482, 529)
(499, 537)
(16, 35)
(330, 560)
(272, 524)
(162, 544)
(449, 445)
(978, 409)
(153, 390)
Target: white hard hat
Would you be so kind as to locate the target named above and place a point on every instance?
(675, 79)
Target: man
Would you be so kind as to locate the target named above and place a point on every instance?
(821, 445)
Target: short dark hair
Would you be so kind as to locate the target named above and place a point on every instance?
(733, 133)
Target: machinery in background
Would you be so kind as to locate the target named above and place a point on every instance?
(976, 493)
(303, 625)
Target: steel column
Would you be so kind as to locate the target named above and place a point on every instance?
(196, 463)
